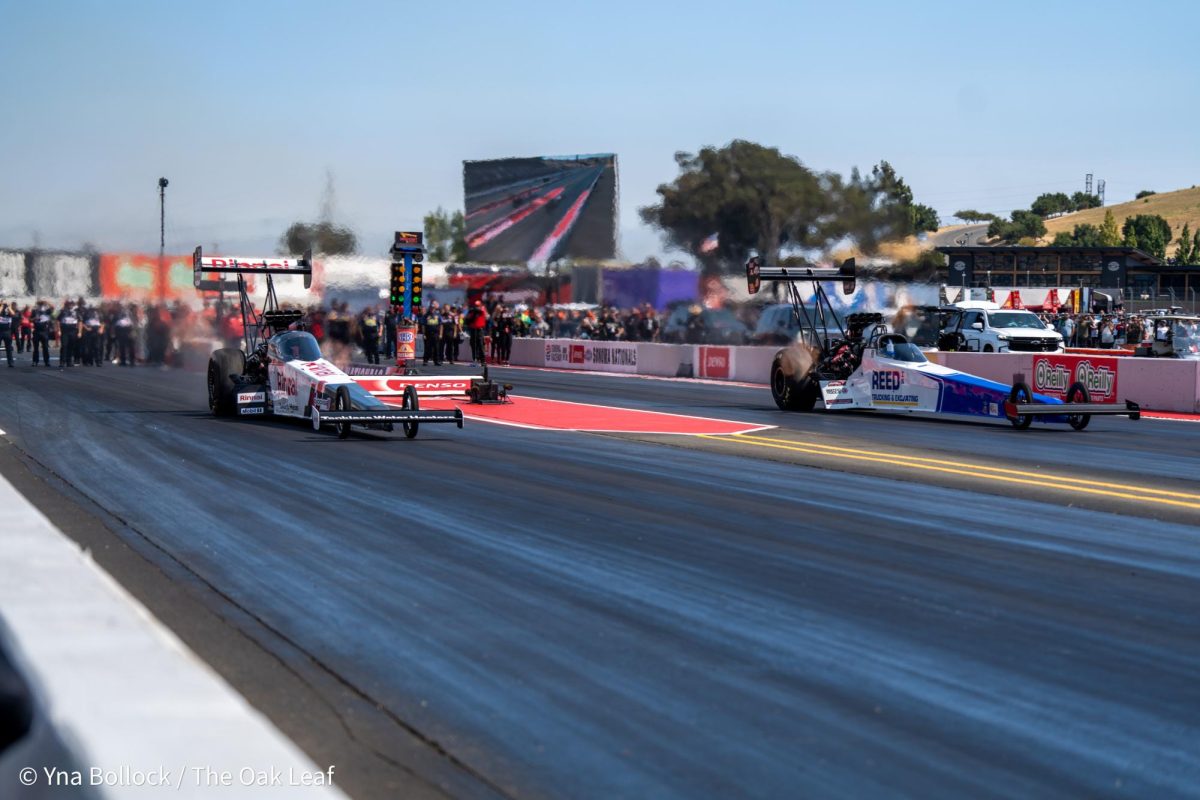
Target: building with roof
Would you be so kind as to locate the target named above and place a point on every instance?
(1134, 273)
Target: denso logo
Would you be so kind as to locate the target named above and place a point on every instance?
(887, 380)
(1049, 377)
(430, 385)
(1099, 381)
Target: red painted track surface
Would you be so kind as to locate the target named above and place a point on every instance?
(1181, 417)
(559, 415)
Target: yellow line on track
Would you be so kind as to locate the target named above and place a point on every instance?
(1061, 483)
(967, 465)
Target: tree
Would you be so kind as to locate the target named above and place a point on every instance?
(1022, 225)
(924, 218)
(880, 208)
(1050, 204)
(1151, 233)
(323, 236)
(1083, 200)
(1084, 235)
(971, 215)
(1184, 253)
(446, 235)
(753, 197)
(1109, 235)
(320, 237)
(1144, 193)
(756, 198)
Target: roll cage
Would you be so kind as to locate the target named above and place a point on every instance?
(838, 348)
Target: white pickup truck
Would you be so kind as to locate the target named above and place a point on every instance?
(984, 327)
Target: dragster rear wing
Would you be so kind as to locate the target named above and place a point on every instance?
(757, 272)
(251, 266)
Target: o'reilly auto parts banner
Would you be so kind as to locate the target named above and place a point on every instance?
(599, 356)
(1054, 374)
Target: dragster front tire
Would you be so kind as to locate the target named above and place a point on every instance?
(411, 403)
(341, 402)
(223, 365)
(1078, 393)
(791, 394)
(1021, 394)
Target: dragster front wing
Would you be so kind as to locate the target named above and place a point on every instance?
(1013, 410)
(320, 418)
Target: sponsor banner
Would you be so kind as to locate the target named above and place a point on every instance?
(394, 385)
(716, 362)
(592, 355)
(1053, 375)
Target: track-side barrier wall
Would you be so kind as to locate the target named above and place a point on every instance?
(115, 702)
(1160, 384)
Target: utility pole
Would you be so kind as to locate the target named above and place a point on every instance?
(162, 235)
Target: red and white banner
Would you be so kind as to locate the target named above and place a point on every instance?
(592, 355)
(1053, 375)
(427, 386)
(715, 362)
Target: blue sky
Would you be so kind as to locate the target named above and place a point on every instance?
(244, 106)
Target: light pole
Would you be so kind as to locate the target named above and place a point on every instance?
(162, 234)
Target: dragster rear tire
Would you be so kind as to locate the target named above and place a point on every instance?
(1078, 393)
(1020, 394)
(412, 402)
(791, 394)
(341, 402)
(223, 365)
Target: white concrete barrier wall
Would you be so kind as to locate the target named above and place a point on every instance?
(121, 690)
(1159, 384)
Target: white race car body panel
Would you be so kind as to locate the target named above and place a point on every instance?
(296, 386)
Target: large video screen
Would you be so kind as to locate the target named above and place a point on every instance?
(539, 209)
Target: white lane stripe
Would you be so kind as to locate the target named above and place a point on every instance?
(2, 433)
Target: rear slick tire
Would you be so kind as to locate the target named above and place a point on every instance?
(790, 394)
(223, 365)
(1078, 393)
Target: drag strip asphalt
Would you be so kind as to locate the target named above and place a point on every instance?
(501, 611)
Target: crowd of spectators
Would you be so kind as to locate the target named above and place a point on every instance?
(1117, 329)
(158, 333)
(342, 331)
(85, 332)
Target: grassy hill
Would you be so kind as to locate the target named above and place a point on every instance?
(1177, 208)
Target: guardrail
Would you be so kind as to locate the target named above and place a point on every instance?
(1159, 384)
